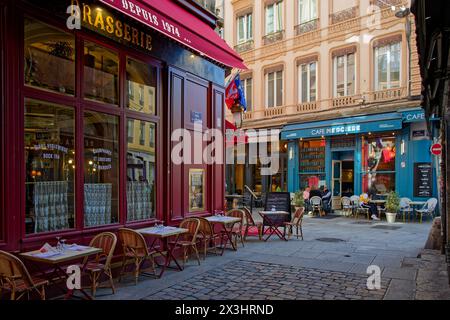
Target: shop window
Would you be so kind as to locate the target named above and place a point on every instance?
(274, 89)
(49, 55)
(50, 167)
(274, 17)
(101, 74)
(307, 82)
(387, 66)
(378, 157)
(141, 169)
(244, 28)
(312, 163)
(344, 75)
(101, 169)
(141, 78)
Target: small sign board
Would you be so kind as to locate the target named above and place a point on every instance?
(196, 117)
(423, 180)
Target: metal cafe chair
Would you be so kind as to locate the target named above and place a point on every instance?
(405, 208)
(347, 206)
(316, 204)
(428, 208)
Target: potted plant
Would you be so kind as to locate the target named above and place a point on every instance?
(298, 200)
(392, 206)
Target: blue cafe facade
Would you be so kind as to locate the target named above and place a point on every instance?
(387, 152)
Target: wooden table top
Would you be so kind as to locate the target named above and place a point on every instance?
(417, 203)
(274, 212)
(162, 232)
(378, 201)
(60, 257)
(223, 219)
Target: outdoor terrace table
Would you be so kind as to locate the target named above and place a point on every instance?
(274, 220)
(163, 234)
(57, 259)
(224, 221)
(233, 200)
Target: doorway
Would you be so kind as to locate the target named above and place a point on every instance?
(342, 176)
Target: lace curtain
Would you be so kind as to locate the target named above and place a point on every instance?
(51, 206)
(139, 203)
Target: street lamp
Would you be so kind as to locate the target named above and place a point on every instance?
(236, 110)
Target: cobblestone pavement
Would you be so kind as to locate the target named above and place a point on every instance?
(316, 268)
(263, 281)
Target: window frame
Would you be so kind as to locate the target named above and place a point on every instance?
(248, 34)
(310, 15)
(389, 61)
(277, 20)
(346, 83)
(300, 97)
(275, 87)
(245, 83)
(82, 104)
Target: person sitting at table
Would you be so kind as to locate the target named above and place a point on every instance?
(326, 199)
(306, 197)
(365, 203)
(315, 193)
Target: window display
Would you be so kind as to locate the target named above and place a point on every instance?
(101, 169)
(312, 163)
(141, 167)
(378, 156)
(196, 190)
(50, 167)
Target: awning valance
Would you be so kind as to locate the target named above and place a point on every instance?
(176, 23)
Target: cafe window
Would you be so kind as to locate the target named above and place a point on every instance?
(101, 74)
(387, 66)
(274, 89)
(141, 78)
(312, 163)
(274, 17)
(244, 28)
(378, 157)
(49, 140)
(344, 75)
(49, 58)
(101, 169)
(307, 82)
(141, 170)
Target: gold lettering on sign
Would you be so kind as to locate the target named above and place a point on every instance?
(99, 19)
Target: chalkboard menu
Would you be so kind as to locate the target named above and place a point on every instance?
(423, 180)
(280, 200)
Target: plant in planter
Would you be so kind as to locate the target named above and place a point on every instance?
(298, 200)
(392, 206)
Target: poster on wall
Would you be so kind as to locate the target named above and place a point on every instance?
(196, 190)
(423, 180)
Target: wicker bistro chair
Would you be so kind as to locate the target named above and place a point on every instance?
(101, 264)
(316, 204)
(15, 278)
(405, 208)
(347, 206)
(236, 230)
(135, 248)
(428, 208)
(250, 223)
(207, 236)
(188, 241)
(355, 204)
(296, 222)
(359, 208)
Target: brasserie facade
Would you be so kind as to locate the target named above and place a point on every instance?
(90, 93)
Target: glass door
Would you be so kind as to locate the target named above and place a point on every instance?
(336, 183)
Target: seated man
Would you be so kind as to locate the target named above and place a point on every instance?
(365, 203)
(326, 200)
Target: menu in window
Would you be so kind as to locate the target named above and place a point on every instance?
(423, 178)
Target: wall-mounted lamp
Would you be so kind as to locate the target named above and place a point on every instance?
(237, 110)
(291, 153)
(402, 147)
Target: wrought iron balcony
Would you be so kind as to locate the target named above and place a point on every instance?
(307, 27)
(245, 46)
(273, 37)
(344, 15)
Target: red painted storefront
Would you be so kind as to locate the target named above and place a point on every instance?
(64, 132)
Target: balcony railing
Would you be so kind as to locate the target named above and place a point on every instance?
(273, 37)
(386, 3)
(367, 99)
(344, 15)
(245, 46)
(307, 27)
